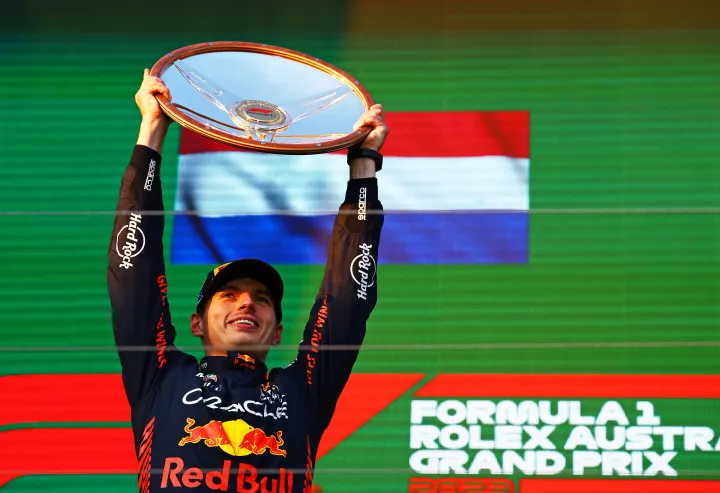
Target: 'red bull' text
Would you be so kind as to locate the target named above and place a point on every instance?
(248, 481)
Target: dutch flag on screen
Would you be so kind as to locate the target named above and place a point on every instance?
(459, 182)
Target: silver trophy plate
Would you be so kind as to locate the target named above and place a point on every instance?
(262, 97)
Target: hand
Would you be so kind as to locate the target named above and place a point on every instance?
(146, 99)
(375, 119)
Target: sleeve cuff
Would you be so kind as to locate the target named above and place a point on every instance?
(354, 190)
(142, 156)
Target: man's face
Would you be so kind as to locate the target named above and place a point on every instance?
(239, 315)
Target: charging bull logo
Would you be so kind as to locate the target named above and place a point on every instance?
(234, 437)
(244, 360)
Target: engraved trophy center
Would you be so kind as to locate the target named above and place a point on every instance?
(261, 112)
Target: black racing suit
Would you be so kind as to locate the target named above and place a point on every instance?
(229, 423)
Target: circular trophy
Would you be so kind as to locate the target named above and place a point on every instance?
(262, 97)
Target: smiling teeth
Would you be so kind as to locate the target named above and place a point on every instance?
(245, 322)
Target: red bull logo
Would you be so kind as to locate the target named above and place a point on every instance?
(213, 434)
(248, 479)
(234, 437)
(258, 442)
(244, 360)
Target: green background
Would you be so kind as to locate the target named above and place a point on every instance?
(625, 182)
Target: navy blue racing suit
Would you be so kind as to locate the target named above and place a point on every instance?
(228, 423)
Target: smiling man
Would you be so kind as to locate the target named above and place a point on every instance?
(239, 308)
(227, 422)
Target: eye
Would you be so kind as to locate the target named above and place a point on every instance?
(226, 294)
(263, 299)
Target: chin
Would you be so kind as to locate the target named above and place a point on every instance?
(241, 340)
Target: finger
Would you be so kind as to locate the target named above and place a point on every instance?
(161, 88)
(360, 124)
(373, 122)
(154, 90)
(154, 81)
(374, 110)
(377, 114)
(369, 116)
(162, 92)
(157, 88)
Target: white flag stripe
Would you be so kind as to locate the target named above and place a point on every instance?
(233, 183)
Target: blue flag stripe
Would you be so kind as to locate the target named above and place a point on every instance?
(431, 238)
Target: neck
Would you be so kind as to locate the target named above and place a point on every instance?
(240, 350)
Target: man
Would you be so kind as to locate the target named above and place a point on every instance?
(228, 423)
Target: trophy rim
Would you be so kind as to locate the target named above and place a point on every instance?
(278, 148)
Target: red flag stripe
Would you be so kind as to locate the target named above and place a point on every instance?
(573, 386)
(428, 134)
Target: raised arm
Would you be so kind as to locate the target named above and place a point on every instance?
(136, 268)
(348, 292)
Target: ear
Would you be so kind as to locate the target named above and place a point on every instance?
(278, 335)
(197, 326)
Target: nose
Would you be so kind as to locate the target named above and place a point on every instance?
(246, 302)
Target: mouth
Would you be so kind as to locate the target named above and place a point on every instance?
(244, 322)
